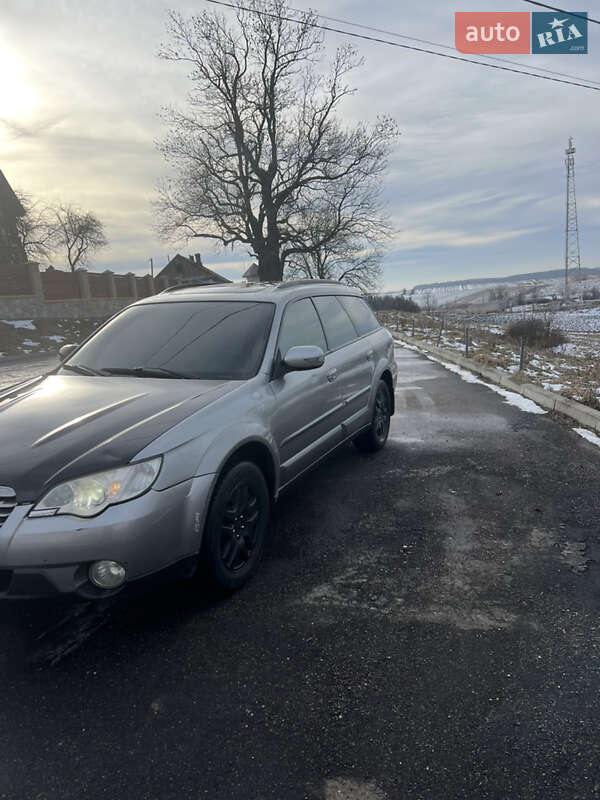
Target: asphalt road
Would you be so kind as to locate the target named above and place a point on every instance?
(424, 625)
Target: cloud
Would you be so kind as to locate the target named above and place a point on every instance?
(415, 239)
(476, 182)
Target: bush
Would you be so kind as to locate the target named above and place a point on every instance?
(388, 302)
(536, 332)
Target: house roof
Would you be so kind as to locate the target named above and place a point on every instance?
(252, 271)
(8, 199)
(200, 268)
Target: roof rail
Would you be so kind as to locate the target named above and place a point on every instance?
(197, 285)
(307, 282)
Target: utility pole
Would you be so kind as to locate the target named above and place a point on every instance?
(572, 255)
(151, 267)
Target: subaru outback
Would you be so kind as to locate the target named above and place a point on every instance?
(159, 444)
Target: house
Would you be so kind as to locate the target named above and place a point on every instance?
(189, 270)
(11, 210)
(251, 274)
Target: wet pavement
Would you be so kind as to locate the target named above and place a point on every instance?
(424, 625)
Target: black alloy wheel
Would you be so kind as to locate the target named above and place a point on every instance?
(237, 526)
(376, 435)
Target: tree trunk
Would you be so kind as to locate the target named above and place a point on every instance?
(269, 266)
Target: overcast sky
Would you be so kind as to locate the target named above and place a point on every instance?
(476, 183)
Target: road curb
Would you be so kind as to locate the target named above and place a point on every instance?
(583, 415)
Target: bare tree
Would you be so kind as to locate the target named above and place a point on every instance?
(78, 234)
(346, 255)
(344, 235)
(37, 228)
(259, 142)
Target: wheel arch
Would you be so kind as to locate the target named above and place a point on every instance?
(259, 453)
(386, 376)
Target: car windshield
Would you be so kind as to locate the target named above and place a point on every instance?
(211, 340)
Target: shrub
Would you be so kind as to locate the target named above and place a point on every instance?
(536, 332)
(388, 302)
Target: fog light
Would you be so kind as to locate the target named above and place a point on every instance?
(107, 574)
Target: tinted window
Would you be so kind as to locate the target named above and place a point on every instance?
(361, 315)
(301, 326)
(205, 339)
(338, 328)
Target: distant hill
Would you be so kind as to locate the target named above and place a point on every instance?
(473, 282)
(494, 293)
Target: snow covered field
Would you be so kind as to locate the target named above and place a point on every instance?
(585, 320)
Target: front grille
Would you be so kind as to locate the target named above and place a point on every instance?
(8, 500)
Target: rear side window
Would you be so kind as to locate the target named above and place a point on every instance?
(339, 329)
(361, 315)
(301, 326)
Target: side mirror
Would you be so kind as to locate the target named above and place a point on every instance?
(303, 357)
(66, 350)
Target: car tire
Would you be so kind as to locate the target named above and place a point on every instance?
(236, 526)
(374, 438)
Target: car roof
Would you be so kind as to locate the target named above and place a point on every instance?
(265, 292)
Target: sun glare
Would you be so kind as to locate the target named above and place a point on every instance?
(17, 98)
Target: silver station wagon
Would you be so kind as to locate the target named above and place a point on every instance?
(159, 444)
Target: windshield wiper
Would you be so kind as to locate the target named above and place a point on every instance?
(81, 369)
(142, 372)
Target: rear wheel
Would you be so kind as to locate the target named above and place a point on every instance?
(376, 434)
(236, 527)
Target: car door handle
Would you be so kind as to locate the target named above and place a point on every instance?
(332, 375)
(370, 355)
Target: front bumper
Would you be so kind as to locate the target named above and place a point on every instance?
(50, 556)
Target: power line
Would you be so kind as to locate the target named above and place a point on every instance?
(443, 46)
(562, 11)
(405, 46)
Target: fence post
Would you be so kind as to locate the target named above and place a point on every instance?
(521, 354)
(413, 326)
(84, 283)
(35, 279)
(132, 283)
(440, 332)
(466, 342)
(112, 286)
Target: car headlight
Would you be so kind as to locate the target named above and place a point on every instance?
(88, 496)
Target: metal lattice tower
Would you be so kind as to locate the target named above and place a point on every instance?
(572, 255)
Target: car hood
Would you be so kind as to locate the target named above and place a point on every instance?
(61, 426)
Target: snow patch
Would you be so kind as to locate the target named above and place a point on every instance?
(567, 349)
(588, 435)
(400, 343)
(512, 398)
(20, 323)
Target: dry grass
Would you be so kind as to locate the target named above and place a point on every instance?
(577, 377)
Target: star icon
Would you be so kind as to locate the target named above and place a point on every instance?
(557, 23)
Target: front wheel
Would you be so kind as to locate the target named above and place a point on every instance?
(236, 527)
(376, 434)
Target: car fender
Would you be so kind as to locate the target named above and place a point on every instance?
(206, 453)
(221, 449)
